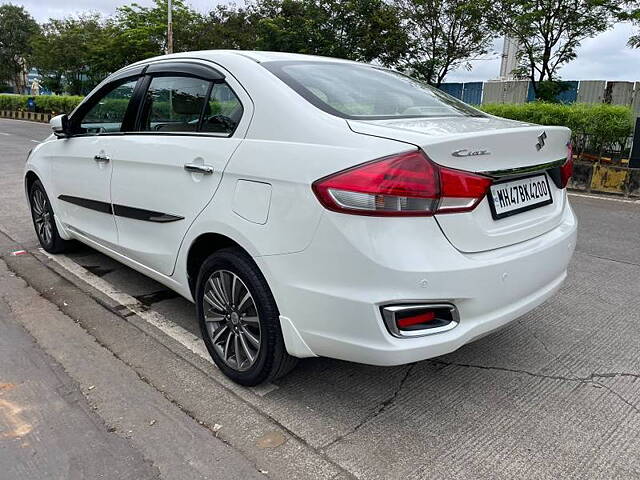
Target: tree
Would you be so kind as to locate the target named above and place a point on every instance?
(227, 27)
(17, 28)
(550, 31)
(74, 54)
(141, 32)
(70, 53)
(634, 16)
(444, 35)
(363, 30)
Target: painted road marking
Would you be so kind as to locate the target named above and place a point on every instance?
(172, 329)
(602, 197)
(2, 133)
(35, 141)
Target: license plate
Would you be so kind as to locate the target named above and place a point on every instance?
(516, 196)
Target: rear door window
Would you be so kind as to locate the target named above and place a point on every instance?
(224, 110)
(189, 104)
(174, 104)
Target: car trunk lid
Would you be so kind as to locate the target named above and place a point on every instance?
(503, 149)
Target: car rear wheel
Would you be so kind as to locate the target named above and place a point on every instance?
(44, 221)
(239, 319)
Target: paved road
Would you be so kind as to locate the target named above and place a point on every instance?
(554, 395)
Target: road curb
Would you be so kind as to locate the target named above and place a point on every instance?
(29, 116)
(601, 178)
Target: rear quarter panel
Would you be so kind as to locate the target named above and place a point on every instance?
(293, 212)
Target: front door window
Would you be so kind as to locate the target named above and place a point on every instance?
(107, 115)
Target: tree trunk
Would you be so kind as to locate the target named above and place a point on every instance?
(19, 81)
(534, 84)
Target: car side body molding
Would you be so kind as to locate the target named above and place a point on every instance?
(121, 210)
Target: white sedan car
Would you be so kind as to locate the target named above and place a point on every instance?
(310, 206)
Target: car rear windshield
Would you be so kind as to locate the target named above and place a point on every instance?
(356, 91)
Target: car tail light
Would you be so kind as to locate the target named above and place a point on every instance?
(408, 184)
(461, 191)
(566, 171)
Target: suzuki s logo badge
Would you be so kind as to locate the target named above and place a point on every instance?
(470, 153)
(541, 138)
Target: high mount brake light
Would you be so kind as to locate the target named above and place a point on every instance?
(408, 184)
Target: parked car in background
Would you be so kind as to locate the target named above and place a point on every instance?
(310, 206)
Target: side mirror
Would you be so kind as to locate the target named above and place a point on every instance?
(60, 126)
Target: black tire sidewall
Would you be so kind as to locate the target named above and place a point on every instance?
(270, 336)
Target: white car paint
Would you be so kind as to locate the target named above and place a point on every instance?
(72, 174)
(329, 272)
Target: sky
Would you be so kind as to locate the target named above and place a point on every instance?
(605, 57)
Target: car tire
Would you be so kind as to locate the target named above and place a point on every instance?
(44, 220)
(239, 319)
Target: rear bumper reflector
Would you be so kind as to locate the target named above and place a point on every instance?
(417, 320)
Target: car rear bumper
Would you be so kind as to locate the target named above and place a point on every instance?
(331, 293)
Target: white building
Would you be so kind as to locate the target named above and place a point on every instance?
(509, 58)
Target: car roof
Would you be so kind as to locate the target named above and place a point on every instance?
(264, 56)
(255, 55)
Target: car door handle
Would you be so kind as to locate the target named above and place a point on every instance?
(198, 168)
(101, 158)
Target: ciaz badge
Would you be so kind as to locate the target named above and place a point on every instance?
(470, 153)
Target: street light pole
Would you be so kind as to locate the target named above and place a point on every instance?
(169, 28)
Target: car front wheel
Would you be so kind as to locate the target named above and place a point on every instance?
(239, 319)
(44, 221)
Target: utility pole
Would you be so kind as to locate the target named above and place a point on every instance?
(634, 160)
(169, 28)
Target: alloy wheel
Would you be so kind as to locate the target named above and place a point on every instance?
(41, 216)
(232, 320)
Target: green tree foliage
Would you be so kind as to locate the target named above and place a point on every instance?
(227, 27)
(17, 28)
(550, 31)
(425, 38)
(74, 54)
(634, 16)
(70, 53)
(548, 90)
(141, 32)
(364, 30)
(444, 35)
